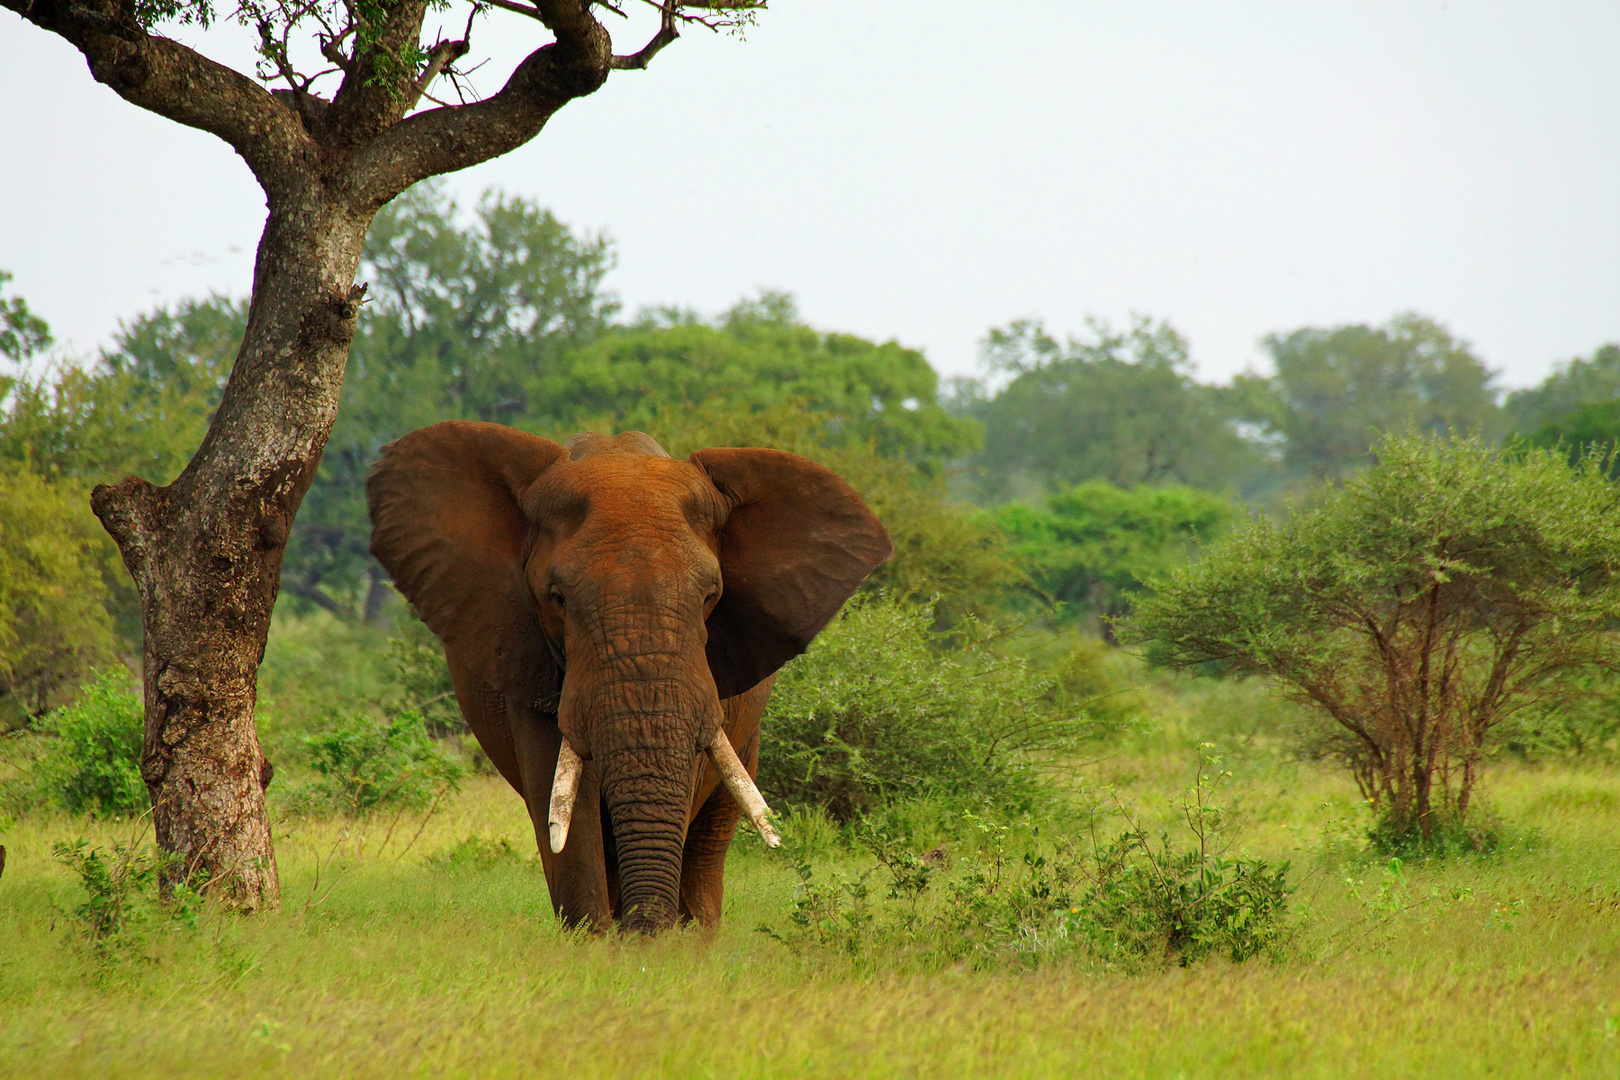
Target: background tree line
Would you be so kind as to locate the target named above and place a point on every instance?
(1069, 474)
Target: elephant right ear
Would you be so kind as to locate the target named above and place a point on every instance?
(447, 525)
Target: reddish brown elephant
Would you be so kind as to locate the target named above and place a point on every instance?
(613, 619)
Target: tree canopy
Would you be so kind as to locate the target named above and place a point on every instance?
(1577, 382)
(1118, 406)
(1337, 390)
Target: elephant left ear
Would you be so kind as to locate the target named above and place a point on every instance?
(796, 544)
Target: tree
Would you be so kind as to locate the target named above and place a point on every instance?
(142, 407)
(1336, 391)
(1416, 607)
(22, 333)
(1581, 381)
(54, 625)
(205, 551)
(1095, 546)
(758, 354)
(1591, 429)
(1119, 407)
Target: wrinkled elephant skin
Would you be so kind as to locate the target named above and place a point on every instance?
(634, 605)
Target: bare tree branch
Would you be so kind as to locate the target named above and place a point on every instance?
(667, 33)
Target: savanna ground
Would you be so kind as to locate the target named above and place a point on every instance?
(422, 943)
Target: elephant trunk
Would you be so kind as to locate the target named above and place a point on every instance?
(644, 719)
(649, 834)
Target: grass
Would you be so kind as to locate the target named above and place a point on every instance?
(402, 949)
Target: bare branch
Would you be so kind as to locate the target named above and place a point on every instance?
(667, 33)
(521, 9)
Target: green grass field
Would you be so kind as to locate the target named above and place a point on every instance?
(391, 958)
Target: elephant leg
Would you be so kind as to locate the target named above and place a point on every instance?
(577, 875)
(708, 838)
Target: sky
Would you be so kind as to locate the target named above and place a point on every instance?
(924, 170)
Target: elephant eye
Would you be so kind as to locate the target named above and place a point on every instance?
(557, 598)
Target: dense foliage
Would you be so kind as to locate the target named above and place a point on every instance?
(55, 564)
(1335, 390)
(1119, 407)
(1417, 607)
(1095, 546)
(884, 708)
(93, 764)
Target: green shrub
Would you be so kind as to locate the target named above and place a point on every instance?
(885, 708)
(363, 764)
(421, 678)
(475, 853)
(1129, 902)
(1415, 608)
(93, 760)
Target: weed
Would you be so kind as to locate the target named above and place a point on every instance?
(120, 889)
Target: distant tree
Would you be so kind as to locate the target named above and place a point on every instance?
(54, 624)
(340, 135)
(22, 333)
(1416, 607)
(1581, 381)
(755, 355)
(141, 408)
(1590, 430)
(1095, 546)
(1120, 407)
(1336, 391)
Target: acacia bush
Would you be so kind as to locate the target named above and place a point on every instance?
(1417, 608)
(885, 707)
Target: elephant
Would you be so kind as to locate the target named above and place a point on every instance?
(613, 619)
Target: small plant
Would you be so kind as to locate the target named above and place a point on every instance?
(364, 763)
(120, 889)
(93, 763)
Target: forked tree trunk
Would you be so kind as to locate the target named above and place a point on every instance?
(206, 552)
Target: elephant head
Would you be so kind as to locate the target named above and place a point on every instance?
(598, 602)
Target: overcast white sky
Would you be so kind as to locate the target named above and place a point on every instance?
(925, 169)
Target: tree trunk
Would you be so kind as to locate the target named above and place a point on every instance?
(206, 551)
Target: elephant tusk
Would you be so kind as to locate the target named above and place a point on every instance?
(563, 789)
(741, 786)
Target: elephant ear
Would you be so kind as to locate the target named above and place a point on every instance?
(447, 525)
(797, 543)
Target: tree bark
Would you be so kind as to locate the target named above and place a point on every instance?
(206, 551)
